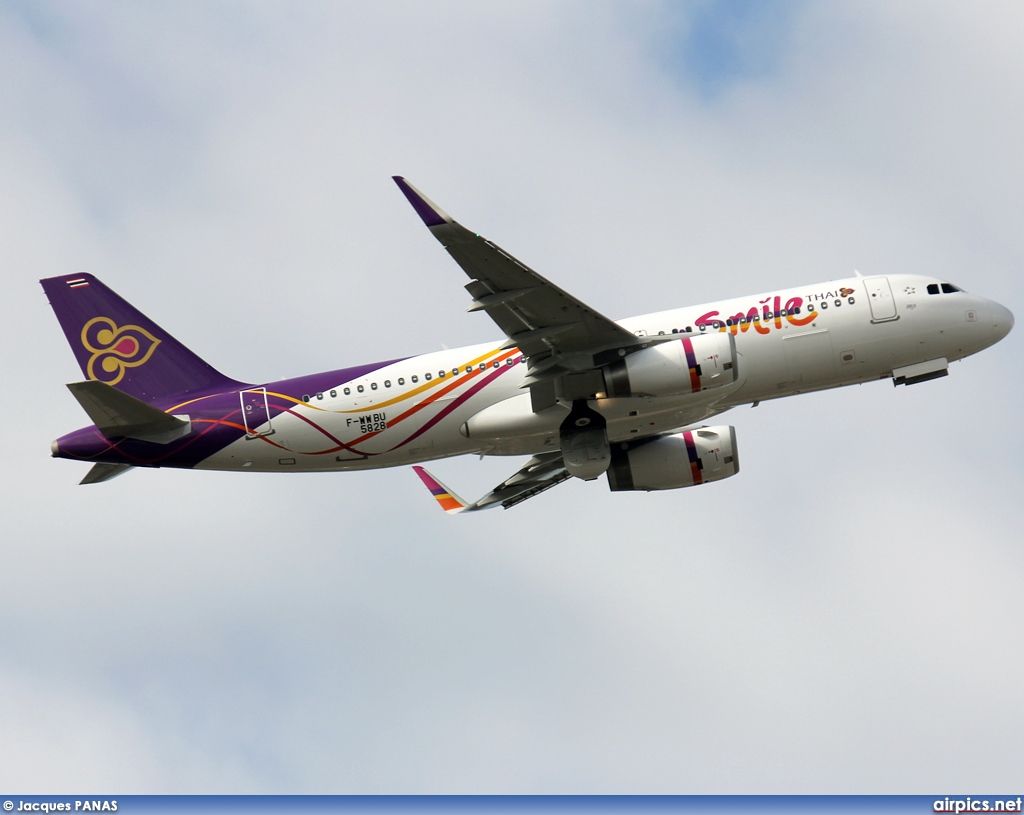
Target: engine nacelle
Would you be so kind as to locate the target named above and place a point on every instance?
(670, 462)
(688, 365)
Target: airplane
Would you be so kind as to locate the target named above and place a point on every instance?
(583, 395)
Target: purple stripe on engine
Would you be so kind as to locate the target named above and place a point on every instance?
(691, 448)
(691, 358)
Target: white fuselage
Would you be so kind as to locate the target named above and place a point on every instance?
(787, 342)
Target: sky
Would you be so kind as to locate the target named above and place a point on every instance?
(844, 616)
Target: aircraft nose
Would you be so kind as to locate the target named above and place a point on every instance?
(1001, 319)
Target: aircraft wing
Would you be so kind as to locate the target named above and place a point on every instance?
(557, 333)
(540, 473)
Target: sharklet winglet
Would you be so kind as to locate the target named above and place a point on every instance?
(430, 213)
(448, 500)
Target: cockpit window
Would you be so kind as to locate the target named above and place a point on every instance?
(947, 288)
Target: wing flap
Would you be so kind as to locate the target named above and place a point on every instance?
(539, 474)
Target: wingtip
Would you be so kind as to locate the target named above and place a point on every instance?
(446, 499)
(429, 212)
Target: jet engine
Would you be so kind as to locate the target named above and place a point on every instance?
(670, 462)
(688, 365)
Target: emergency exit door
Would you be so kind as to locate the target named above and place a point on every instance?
(883, 306)
(255, 413)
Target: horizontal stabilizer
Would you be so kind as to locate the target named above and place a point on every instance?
(104, 472)
(115, 414)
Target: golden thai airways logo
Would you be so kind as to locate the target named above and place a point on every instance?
(114, 349)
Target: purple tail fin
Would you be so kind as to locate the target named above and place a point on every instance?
(117, 344)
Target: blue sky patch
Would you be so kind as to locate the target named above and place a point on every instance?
(716, 44)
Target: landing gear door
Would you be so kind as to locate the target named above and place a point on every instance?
(883, 306)
(255, 413)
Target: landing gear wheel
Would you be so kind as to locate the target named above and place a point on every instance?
(584, 440)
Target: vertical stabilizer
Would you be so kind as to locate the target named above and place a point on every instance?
(118, 345)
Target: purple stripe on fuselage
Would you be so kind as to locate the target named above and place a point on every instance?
(216, 422)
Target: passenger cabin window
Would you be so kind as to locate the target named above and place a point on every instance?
(401, 380)
(360, 388)
(373, 386)
(348, 391)
(415, 379)
(427, 377)
(334, 393)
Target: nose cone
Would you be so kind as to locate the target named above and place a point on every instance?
(1001, 320)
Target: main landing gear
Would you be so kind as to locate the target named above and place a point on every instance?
(584, 439)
